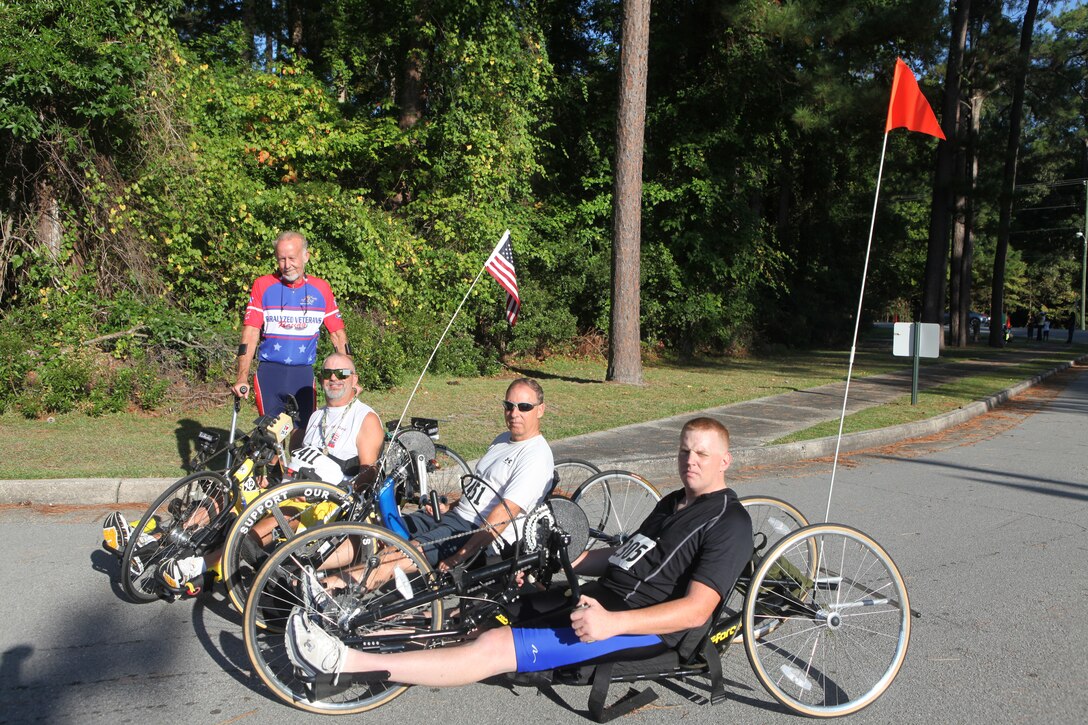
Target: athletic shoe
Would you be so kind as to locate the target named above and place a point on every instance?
(314, 596)
(135, 567)
(176, 573)
(312, 649)
(115, 532)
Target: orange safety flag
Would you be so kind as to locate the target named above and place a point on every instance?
(908, 107)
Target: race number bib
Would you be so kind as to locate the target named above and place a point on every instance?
(628, 555)
(324, 467)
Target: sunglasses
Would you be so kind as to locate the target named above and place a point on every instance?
(335, 374)
(523, 407)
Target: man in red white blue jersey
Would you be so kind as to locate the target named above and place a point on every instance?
(281, 327)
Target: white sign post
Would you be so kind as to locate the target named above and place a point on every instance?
(916, 340)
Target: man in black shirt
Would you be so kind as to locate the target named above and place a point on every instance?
(668, 578)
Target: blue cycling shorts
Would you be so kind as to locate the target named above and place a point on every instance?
(539, 649)
(275, 381)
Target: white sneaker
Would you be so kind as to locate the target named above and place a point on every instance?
(176, 573)
(312, 649)
(314, 596)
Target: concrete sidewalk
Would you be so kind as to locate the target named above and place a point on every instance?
(650, 448)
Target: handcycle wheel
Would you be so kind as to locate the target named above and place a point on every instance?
(830, 644)
(616, 503)
(772, 518)
(570, 473)
(444, 473)
(186, 519)
(274, 517)
(407, 609)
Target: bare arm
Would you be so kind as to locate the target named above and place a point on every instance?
(340, 341)
(500, 517)
(369, 439)
(593, 622)
(250, 337)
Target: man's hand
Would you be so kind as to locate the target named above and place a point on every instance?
(241, 389)
(592, 622)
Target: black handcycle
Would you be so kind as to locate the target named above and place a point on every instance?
(825, 618)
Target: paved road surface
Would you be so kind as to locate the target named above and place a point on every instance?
(986, 521)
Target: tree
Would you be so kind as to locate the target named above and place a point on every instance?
(625, 351)
(1012, 149)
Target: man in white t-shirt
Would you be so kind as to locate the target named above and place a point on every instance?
(518, 469)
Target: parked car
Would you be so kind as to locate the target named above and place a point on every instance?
(983, 320)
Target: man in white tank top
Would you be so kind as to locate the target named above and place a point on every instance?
(345, 430)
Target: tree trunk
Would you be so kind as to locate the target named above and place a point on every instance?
(295, 26)
(49, 229)
(625, 352)
(1008, 182)
(940, 211)
(971, 184)
(249, 24)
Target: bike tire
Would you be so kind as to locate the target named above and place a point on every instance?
(170, 521)
(444, 474)
(616, 503)
(772, 519)
(570, 474)
(294, 504)
(277, 591)
(828, 645)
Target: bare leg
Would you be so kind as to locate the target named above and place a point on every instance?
(489, 655)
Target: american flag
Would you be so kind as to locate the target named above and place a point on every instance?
(500, 265)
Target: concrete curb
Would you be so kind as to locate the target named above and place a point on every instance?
(83, 490)
(664, 467)
(657, 468)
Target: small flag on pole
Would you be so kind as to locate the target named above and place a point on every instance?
(500, 265)
(908, 107)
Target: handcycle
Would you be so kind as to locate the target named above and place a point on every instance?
(192, 515)
(825, 620)
(412, 471)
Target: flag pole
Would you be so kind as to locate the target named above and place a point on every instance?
(442, 337)
(857, 327)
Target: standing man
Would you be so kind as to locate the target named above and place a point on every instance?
(281, 326)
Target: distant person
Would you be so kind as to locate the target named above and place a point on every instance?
(1039, 327)
(1046, 328)
(1008, 327)
(281, 326)
(1070, 325)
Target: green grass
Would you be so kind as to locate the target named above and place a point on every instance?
(932, 402)
(579, 401)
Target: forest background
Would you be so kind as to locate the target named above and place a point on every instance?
(152, 151)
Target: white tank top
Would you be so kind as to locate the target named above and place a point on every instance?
(335, 431)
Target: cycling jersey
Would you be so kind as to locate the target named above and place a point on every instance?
(290, 316)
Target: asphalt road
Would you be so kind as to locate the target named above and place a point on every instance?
(986, 521)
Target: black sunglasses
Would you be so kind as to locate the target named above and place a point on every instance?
(335, 373)
(523, 407)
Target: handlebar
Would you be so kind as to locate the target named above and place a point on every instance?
(244, 391)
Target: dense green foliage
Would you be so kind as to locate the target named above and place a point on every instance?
(152, 151)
